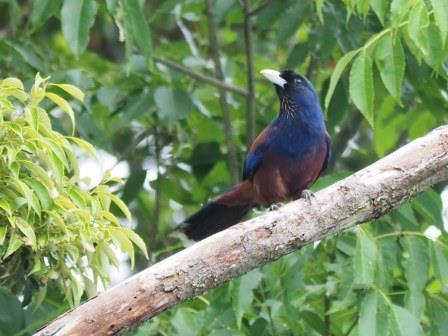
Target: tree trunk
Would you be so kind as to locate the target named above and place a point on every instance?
(366, 195)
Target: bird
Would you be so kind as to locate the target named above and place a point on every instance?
(284, 160)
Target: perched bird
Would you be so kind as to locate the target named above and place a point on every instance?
(283, 161)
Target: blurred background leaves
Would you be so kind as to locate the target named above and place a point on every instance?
(152, 102)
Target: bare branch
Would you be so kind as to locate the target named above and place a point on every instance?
(200, 76)
(214, 44)
(250, 73)
(366, 195)
(259, 8)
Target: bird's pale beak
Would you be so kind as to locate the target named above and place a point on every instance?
(274, 77)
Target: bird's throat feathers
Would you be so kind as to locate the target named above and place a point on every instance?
(301, 109)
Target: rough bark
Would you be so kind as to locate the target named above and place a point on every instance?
(366, 195)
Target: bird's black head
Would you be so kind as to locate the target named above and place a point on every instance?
(295, 91)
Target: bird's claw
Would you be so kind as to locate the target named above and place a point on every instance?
(308, 195)
(275, 206)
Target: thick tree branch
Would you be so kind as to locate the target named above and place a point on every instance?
(366, 195)
(200, 76)
(250, 73)
(214, 45)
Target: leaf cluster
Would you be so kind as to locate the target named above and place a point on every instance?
(54, 229)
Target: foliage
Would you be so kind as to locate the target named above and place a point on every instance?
(151, 101)
(52, 229)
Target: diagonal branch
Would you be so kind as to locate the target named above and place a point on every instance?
(366, 195)
(200, 76)
(214, 45)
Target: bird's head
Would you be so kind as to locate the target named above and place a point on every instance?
(295, 91)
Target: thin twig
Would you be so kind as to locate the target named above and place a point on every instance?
(158, 194)
(259, 8)
(200, 76)
(232, 157)
(250, 73)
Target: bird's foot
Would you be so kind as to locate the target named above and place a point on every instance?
(276, 206)
(308, 195)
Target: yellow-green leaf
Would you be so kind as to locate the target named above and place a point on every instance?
(124, 242)
(137, 240)
(3, 232)
(14, 244)
(120, 204)
(72, 90)
(12, 82)
(64, 105)
(27, 230)
(84, 145)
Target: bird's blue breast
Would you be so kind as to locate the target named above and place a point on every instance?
(293, 138)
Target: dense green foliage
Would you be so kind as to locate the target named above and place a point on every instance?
(142, 66)
(53, 230)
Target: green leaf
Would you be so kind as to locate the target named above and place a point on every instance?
(12, 315)
(43, 10)
(379, 7)
(138, 28)
(361, 86)
(364, 260)
(37, 172)
(438, 317)
(70, 89)
(184, 321)
(3, 232)
(439, 263)
(292, 20)
(314, 321)
(417, 263)
(42, 193)
(403, 323)
(32, 117)
(440, 8)
(389, 57)
(319, 5)
(14, 244)
(172, 103)
(27, 230)
(26, 192)
(415, 302)
(418, 22)
(367, 315)
(242, 293)
(64, 105)
(428, 205)
(28, 55)
(124, 242)
(134, 183)
(337, 72)
(120, 204)
(137, 240)
(77, 17)
(85, 146)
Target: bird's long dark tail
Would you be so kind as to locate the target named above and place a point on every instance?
(219, 214)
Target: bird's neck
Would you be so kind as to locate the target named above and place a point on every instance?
(305, 114)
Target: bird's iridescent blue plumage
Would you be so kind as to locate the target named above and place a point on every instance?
(286, 158)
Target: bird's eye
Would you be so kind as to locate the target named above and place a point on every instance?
(297, 81)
